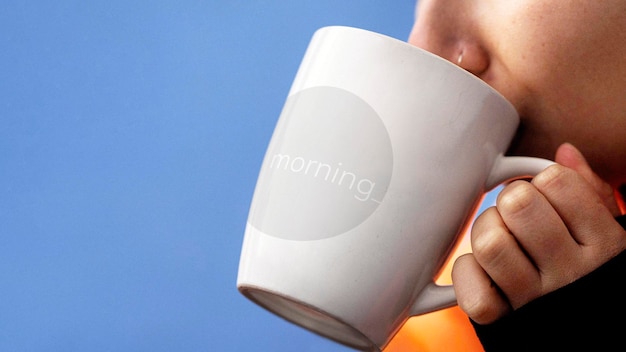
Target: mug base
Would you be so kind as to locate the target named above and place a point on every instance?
(310, 318)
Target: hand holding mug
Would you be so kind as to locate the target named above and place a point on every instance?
(538, 238)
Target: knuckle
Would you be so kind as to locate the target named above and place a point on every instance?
(516, 198)
(489, 244)
(480, 310)
(553, 179)
(485, 307)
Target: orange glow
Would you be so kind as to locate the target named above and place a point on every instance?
(448, 330)
(621, 202)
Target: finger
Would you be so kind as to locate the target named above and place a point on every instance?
(476, 294)
(583, 212)
(503, 260)
(568, 155)
(539, 230)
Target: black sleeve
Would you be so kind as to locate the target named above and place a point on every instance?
(585, 315)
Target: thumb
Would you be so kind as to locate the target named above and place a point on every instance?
(569, 156)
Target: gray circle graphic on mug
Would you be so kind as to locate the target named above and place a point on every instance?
(327, 168)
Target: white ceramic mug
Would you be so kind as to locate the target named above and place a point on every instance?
(379, 160)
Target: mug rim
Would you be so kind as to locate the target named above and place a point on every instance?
(411, 47)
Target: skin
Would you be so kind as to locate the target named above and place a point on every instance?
(562, 63)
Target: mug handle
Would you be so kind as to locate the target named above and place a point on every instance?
(506, 168)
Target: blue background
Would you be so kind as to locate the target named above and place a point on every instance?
(131, 135)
